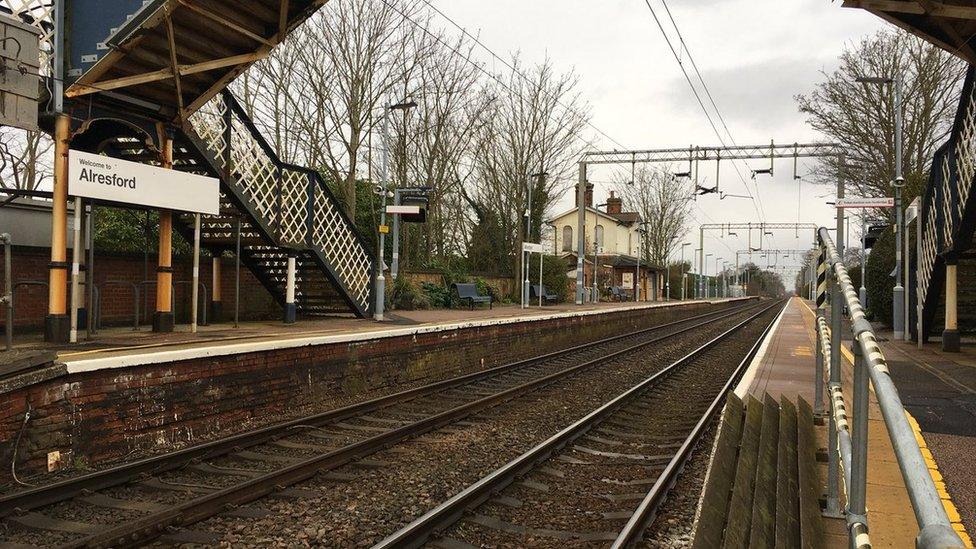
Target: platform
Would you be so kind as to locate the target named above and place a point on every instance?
(187, 387)
(121, 347)
(785, 366)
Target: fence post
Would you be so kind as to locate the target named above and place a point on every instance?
(833, 455)
(857, 492)
(821, 287)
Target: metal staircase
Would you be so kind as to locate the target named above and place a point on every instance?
(282, 209)
(948, 220)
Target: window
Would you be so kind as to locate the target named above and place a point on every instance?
(567, 238)
(599, 236)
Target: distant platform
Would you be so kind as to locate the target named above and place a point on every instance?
(929, 382)
(122, 347)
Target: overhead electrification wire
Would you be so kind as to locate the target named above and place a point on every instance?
(701, 102)
(512, 67)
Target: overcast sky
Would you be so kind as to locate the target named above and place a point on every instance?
(755, 56)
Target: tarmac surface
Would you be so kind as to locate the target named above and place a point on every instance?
(939, 390)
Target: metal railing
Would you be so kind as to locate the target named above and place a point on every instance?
(947, 215)
(848, 439)
(292, 204)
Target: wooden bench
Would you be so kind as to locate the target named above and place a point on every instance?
(469, 293)
(540, 290)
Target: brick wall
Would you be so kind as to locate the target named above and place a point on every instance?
(103, 415)
(30, 302)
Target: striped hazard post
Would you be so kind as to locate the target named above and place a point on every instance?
(822, 279)
(818, 401)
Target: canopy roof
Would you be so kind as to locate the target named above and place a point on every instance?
(949, 24)
(173, 56)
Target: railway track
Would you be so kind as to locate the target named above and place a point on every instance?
(138, 502)
(602, 480)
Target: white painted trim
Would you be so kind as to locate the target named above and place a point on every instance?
(742, 389)
(217, 350)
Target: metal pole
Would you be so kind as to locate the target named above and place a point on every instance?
(237, 276)
(836, 320)
(75, 272)
(701, 262)
(857, 492)
(596, 272)
(526, 256)
(8, 292)
(918, 278)
(541, 256)
(380, 290)
(683, 271)
(290, 309)
(90, 272)
(864, 259)
(580, 230)
(820, 285)
(898, 297)
(196, 273)
(637, 273)
(395, 266)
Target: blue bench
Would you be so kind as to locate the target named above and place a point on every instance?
(469, 293)
(620, 294)
(540, 290)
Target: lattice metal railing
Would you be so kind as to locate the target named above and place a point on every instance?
(293, 202)
(949, 203)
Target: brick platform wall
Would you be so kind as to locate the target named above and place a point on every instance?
(30, 302)
(104, 415)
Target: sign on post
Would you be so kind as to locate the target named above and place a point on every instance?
(115, 180)
(403, 210)
(860, 203)
(533, 248)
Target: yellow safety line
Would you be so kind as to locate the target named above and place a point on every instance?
(933, 467)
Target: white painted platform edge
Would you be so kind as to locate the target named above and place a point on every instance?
(742, 389)
(163, 356)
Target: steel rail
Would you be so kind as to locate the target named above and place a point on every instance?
(649, 506)
(443, 516)
(114, 476)
(143, 529)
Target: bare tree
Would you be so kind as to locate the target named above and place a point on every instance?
(358, 54)
(860, 116)
(533, 126)
(25, 159)
(663, 203)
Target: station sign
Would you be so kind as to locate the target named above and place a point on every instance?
(533, 248)
(403, 210)
(860, 203)
(114, 180)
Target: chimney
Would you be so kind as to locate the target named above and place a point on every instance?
(587, 195)
(615, 204)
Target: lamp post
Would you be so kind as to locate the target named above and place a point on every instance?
(641, 231)
(683, 274)
(864, 259)
(705, 278)
(717, 259)
(898, 294)
(380, 289)
(395, 266)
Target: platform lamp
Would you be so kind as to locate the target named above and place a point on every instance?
(898, 294)
(596, 253)
(717, 259)
(384, 192)
(705, 278)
